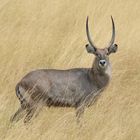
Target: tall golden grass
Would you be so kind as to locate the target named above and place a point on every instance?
(51, 34)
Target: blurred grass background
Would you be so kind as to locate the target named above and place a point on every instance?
(51, 34)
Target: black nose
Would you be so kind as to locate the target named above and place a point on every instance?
(102, 62)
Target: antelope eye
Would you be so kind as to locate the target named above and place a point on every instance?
(107, 52)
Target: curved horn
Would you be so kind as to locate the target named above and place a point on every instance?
(88, 35)
(113, 33)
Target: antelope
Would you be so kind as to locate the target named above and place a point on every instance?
(76, 87)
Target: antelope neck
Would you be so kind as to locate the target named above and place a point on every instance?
(101, 77)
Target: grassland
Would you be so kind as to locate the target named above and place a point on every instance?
(51, 34)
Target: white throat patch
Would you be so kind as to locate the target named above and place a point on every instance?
(108, 71)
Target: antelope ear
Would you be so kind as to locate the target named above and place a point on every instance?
(90, 49)
(113, 49)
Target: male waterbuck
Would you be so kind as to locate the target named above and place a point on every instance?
(76, 87)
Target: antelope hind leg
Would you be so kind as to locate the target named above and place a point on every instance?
(17, 116)
(29, 115)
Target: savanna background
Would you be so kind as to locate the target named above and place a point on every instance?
(51, 34)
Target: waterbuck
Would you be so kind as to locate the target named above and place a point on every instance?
(76, 87)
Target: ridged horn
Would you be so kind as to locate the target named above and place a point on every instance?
(88, 35)
(113, 33)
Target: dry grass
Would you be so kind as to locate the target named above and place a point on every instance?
(51, 34)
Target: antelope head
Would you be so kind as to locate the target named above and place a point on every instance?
(101, 55)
